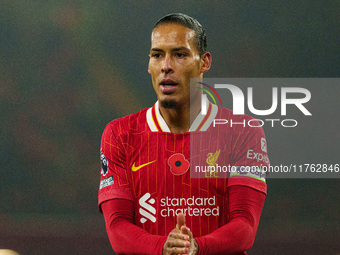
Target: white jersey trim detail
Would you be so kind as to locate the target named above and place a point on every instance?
(160, 119)
(200, 117)
(211, 118)
(151, 124)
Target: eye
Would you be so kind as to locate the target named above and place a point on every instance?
(156, 55)
(180, 55)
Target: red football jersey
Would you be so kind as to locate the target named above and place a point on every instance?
(165, 173)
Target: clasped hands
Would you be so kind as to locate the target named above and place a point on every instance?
(180, 240)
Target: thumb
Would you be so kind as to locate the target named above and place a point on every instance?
(186, 231)
(180, 220)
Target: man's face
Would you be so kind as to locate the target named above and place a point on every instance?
(173, 60)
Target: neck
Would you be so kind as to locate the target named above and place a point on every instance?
(180, 118)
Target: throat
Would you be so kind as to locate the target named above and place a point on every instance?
(177, 120)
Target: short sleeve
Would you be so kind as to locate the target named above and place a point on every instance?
(250, 158)
(113, 175)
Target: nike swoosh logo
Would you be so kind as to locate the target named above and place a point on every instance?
(136, 168)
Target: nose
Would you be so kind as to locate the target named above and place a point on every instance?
(167, 65)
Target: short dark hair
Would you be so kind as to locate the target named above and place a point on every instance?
(189, 22)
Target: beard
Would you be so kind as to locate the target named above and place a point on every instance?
(169, 104)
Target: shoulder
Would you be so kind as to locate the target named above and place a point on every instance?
(131, 123)
(229, 114)
(237, 123)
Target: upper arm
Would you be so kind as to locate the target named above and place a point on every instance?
(250, 159)
(114, 181)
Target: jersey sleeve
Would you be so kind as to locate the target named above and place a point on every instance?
(238, 235)
(113, 175)
(250, 158)
(125, 237)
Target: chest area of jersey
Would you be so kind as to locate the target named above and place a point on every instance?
(170, 163)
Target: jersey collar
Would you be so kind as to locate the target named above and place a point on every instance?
(201, 123)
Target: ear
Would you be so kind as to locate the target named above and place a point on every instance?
(149, 65)
(206, 62)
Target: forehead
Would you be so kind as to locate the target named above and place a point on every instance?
(172, 35)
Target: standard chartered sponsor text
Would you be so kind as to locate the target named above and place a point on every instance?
(192, 206)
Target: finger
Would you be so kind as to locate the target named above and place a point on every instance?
(180, 220)
(179, 235)
(175, 230)
(173, 243)
(177, 250)
(186, 231)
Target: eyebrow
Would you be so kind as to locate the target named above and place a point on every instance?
(174, 49)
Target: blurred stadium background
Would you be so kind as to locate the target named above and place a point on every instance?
(69, 67)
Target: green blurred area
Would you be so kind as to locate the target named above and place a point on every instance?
(69, 67)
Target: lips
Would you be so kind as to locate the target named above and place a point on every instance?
(168, 86)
